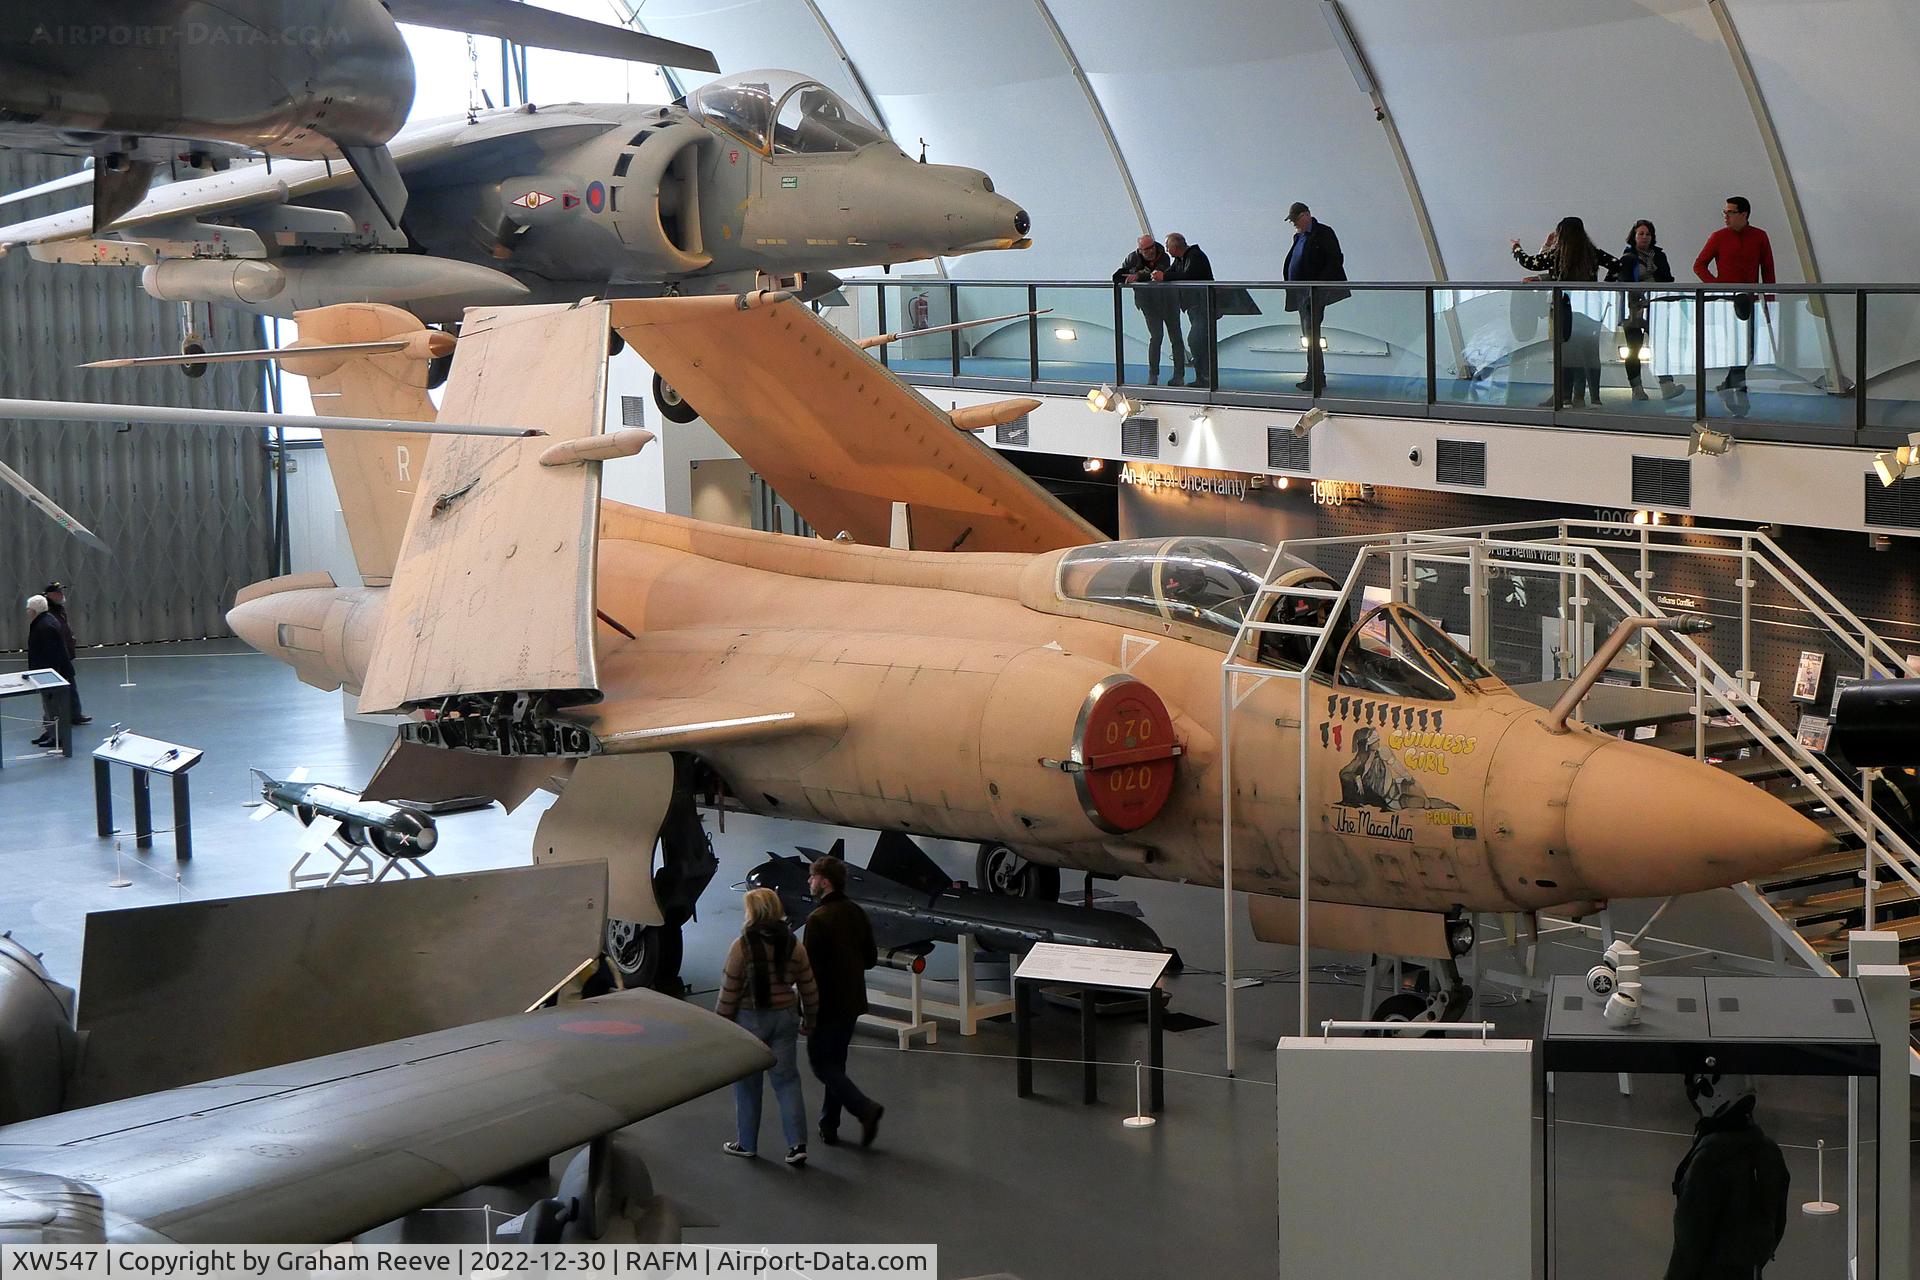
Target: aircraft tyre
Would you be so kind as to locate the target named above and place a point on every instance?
(670, 402)
(191, 348)
(646, 955)
(999, 870)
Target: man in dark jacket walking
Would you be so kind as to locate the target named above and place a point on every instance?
(1190, 264)
(48, 652)
(1315, 255)
(1147, 265)
(1730, 1191)
(839, 942)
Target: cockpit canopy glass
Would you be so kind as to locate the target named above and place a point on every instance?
(1381, 658)
(784, 112)
(814, 119)
(1202, 582)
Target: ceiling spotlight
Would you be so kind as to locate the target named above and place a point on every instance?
(1094, 464)
(1309, 420)
(1201, 418)
(1646, 353)
(1126, 406)
(1705, 440)
(1101, 398)
(1891, 466)
(1285, 481)
(1065, 334)
(1643, 517)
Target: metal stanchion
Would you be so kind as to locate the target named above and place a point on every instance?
(1139, 1119)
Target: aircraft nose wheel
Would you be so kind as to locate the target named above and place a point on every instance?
(670, 402)
(1427, 1002)
(999, 870)
(645, 955)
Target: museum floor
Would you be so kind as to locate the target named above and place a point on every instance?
(1044, 1189)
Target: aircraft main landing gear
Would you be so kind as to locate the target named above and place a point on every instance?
(999, 869)
(1426, 1001)
(650, 955)
(670, 402)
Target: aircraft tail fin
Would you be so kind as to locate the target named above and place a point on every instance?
(900, 860)
(374, 473)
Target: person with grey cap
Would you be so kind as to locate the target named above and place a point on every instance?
(1315, 256)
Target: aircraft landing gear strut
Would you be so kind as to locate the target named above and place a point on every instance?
(650, 955)
(1425, 1000)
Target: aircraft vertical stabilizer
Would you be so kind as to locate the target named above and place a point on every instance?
(493, 589)
(373, 474)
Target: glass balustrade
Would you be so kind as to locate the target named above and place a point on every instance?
(1658, 357)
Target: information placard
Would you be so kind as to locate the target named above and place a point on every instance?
(36, 680)
(1093, 966)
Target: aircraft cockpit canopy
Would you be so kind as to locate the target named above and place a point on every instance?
(784, 113)
(1396, 651)
(1202, 582)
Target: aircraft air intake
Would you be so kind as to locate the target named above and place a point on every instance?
(658, 216)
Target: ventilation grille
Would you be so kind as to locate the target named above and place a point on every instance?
(1140, 437)
(1893, 507)
(1461, 462)
(1014, 433)
(633, 411)
(1662, 482)
(1288, 452)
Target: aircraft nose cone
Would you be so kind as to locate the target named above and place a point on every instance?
(1644, 823)
(255, 623)
(1021, 222)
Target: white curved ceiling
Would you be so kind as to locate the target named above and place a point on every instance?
(1514, 113)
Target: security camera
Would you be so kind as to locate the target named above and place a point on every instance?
(1413, 455)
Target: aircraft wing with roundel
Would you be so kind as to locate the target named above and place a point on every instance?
(320, 1150)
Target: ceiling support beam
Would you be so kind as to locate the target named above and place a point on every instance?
(1837, 383)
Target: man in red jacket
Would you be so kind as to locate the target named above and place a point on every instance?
(1738, 253)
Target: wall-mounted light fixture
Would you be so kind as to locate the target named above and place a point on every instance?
(1065, 334)
(1309, 420)
(1705, 440)
(1094, 464)
(1892, 465)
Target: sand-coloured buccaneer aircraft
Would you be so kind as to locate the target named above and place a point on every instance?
(1000, 675)
(187, 83)
(764, 173)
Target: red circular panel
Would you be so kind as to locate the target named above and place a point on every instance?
(1128, 755)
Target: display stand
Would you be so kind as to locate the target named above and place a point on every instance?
(37, 680)
(145, 756)
(353, 864)
(966, 1008)
(1803, 1026)
(1091, 971)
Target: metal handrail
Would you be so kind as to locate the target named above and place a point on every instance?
(1676, 287)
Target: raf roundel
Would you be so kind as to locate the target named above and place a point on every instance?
(1127, 752)
(596, 197)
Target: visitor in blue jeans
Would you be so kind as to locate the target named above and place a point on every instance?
(767, 987)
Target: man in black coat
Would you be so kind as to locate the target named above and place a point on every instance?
(56, 596)
(1730, 1191)
(1191, 264)
(1315, 255)
(839, 941)
(46, 650)
(1147, 265)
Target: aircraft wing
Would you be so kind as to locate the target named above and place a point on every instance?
(835, 434)
(320, 1150)
(251, 186)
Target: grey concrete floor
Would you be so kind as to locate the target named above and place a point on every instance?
(1043, 1188)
